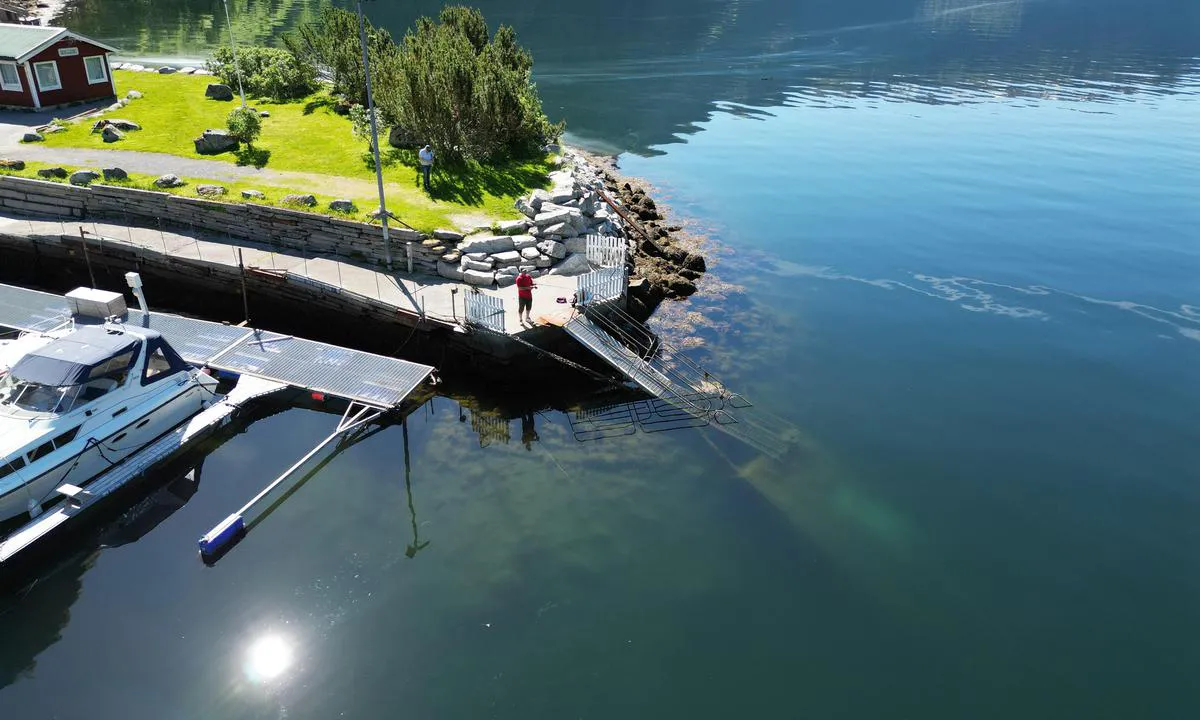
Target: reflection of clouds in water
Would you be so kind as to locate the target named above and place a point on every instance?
(981, 296)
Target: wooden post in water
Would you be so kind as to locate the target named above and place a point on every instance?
(245, 298)
(86, 258)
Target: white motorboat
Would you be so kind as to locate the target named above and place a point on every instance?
(74, 402)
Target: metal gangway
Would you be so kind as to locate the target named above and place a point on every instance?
(683, 394)
(651, 363)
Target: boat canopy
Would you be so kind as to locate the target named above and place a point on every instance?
(86, 354)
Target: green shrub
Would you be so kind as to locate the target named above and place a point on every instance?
(266, 72)
(448, 82)
(244, 124)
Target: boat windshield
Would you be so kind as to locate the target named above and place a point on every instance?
(36, 397)
(67, 373)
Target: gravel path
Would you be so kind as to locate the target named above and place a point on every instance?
(14, 125)
(150, 163)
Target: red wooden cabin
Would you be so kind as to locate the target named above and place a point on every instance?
(44, 67)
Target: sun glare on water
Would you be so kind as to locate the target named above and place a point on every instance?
(268, 658)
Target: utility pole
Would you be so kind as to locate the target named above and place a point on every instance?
(383, 213)
(237, 66)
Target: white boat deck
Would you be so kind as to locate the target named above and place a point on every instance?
(199, 426)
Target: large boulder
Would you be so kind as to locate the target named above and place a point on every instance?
(486, 244)
(450, 271)
(576, 244)
(448, 235)
(212, 142)
(300, 199)
(478, 265)
(31, 137)
(554, 217)
(479, 277)
(110, 134)
(169, 181)
(553, 248)
(576, 264)
(12, 164)
(543, 261)
(505, 259)
(526, 208)
(530, 253)
(187, 70)
(521, 242)
(169, 70)
(253, 194)
(343, 206)
(513, 227)
(53, 172)
(210, 190)
(564, 230)
(563, 193)
(84, 177)
(133, 95)
(216, 91)
(115, 173)
(399, 137)
(122, 124)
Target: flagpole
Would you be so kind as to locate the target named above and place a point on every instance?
(237, 66)
(383, 214)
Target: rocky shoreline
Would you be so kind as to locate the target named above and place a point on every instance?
(665, 257)
(587, 197)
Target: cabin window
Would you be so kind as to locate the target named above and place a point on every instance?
(10, 78)
(95, 69)
(158, 364)
(162, 362)
(66, 437)
(47, 75)
(11, 466)
(42, 451)
(115, 368)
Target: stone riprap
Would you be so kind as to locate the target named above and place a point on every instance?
(550, 237)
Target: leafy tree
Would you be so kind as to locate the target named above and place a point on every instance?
(332, 43)
(360, 122)
(448, 82)
(244, 124)
(270, 73)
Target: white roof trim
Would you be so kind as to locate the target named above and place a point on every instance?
(63, 34)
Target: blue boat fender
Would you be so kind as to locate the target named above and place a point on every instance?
(222, 535)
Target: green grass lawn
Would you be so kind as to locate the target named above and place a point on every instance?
(307, 137)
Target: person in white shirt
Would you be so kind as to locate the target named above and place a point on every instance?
(426, 158)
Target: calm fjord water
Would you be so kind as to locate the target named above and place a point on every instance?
(956, 254)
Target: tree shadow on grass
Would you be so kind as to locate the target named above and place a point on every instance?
(468, 183)
(321, 103)
(256, 156)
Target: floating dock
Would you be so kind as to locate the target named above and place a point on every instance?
(262, 362)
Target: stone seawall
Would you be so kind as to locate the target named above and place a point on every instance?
(278, 227)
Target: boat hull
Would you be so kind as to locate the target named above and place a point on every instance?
(94, 458)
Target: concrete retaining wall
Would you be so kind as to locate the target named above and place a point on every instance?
(282, 228)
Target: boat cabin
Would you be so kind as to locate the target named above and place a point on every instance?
(84, 366)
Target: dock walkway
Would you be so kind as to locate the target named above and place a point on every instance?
(417, 293)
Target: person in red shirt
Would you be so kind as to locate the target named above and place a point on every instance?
(525, 288)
